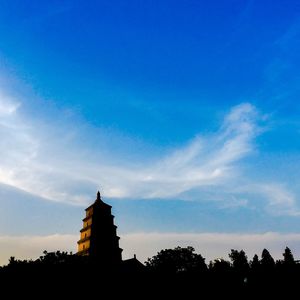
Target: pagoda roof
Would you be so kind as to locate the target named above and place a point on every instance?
(98, 201)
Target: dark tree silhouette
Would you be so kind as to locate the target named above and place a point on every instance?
(177, 260)
(267, 261)
(255, 263)
(171, 273)
(240, 266)
(288, 257)
(219, 265)
(266, 277)
(220, 272)
(254, 278)
(239, 261)
(12, 260)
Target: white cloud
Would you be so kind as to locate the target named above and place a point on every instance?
(59, 161)
(206, 160)
(281, 200)
(45, 159)
(278, 198)
(8, 106)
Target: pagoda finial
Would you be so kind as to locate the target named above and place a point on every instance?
(98, 196)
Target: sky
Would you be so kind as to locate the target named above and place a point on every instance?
(184, 114)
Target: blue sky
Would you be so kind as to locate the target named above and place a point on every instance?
(185, 114)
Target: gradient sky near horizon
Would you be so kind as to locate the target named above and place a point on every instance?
(185, 114)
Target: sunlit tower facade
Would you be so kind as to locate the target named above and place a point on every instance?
(98, 236)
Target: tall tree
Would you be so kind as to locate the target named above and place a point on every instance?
(239, 260)
(288, 257)
(255, 263)
(267, 261)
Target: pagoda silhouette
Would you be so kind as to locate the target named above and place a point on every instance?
(98, 236)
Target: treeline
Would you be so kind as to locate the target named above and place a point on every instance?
(172, 272)
(237, 277)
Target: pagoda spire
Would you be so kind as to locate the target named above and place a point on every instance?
(98, 196)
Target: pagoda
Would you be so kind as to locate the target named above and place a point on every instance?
(98, 236)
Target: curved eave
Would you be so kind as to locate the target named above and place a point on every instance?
(83, 240)
(85, 228)
(87, 218)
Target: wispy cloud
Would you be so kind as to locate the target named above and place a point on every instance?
(281, 201)
(48, 159)
(8, 108)
(206, 160)
(45, 164)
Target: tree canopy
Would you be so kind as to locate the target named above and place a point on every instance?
(177, 260)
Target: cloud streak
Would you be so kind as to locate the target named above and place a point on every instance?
(36, 160)
(205, 161)
(48, 159)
